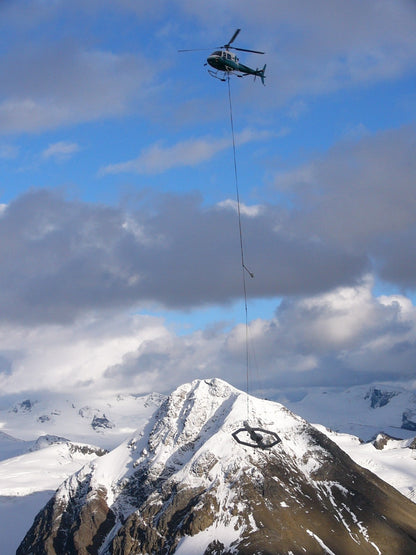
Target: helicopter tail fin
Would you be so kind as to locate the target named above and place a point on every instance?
(261, 73)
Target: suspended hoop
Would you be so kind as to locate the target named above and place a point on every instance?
(259, 438)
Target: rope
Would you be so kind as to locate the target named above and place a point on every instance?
(244, 268)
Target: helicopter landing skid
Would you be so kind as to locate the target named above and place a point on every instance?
(215, 74)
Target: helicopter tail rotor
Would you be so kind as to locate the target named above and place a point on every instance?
(260, 73)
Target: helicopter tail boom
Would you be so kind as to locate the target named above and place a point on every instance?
(245, 70)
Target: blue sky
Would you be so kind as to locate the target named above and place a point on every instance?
(118, 229)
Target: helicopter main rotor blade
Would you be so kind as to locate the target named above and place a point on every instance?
(247, 50)
(225, 46)
(233, 37)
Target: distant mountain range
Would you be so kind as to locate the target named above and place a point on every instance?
(183, 483)
(362, 410)
(106, 422)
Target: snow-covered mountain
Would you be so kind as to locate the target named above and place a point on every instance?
(105, 422)
(185, 484)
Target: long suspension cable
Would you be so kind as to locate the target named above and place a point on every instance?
(244, 268)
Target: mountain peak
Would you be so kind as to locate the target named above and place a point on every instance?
(183, 484)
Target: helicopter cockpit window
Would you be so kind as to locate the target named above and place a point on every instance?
(217, 53)
(228, 56)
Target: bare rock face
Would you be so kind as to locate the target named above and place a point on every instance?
(78, 526)
(189, 512)
(379, 398)
(184, 485)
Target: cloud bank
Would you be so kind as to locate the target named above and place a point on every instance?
(62, 258)
(339, 338)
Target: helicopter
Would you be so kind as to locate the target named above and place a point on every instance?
(225, 62)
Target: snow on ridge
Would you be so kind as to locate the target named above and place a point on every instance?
(46, 440)
(395, 463)
(43, 468)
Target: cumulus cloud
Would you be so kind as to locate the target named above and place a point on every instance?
(75, 275)
(354, 213)
(230, 204)
(338, 338)
(66, 261)
(343, 336)
(63, 258)
(72, 358)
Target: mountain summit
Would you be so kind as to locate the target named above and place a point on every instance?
(184, 485)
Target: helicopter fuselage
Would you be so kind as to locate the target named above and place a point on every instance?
(223, 60)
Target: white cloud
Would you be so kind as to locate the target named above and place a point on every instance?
(340, 317)
(60, 150)
(62, 358)
(341, 337)
(250, 211)
(337, 338)
(158, 158)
